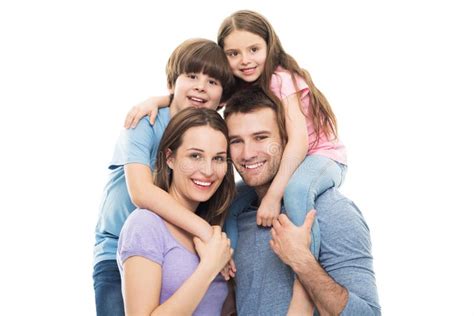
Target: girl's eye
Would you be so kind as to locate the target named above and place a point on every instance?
(192, 76)
(214, 82)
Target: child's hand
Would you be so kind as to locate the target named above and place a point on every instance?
(148, 107)
(268, 210)
(229, 270)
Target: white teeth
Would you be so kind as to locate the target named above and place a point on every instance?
(197, 99)
(255, 165)
(202, 183)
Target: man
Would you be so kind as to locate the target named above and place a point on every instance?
(341, 280)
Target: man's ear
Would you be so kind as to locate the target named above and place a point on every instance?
(169, 159)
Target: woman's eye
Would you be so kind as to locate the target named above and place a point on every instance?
(195, 156)
(254, 49)
(220, 158)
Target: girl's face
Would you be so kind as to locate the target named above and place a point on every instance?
(246, 53)
(199, 165)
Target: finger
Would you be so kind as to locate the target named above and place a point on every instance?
(273, 233)
(309, 220)
(276, 224)
(129, 118)
(284, 220)
(232, 264)
(153, 115)
(259, 220)
(217, 229)
(197, 243)
(136, 119)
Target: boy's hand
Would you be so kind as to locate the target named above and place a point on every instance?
(268, 210)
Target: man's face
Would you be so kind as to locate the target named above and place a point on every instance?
(255, 146)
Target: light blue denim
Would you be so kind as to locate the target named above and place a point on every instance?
(314, 175)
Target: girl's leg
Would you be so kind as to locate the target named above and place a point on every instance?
(315, 175)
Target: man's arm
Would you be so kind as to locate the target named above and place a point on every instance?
(330, 296)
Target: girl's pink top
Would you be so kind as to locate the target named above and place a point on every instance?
(282, 85)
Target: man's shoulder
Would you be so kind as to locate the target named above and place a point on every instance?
(336, 210)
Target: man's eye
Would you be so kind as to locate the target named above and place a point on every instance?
(235, 141)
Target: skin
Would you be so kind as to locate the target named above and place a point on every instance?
(199, 166)
(246, 53)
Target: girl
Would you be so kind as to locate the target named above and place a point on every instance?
(314, 159)
(164, 270)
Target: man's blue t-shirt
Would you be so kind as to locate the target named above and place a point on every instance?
(138, 145)
(264, 284)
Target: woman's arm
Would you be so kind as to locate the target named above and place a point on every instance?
(148, 107)
(142, 280)
(294, 153)
(144, 194)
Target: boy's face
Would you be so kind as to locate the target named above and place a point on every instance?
(197, 90)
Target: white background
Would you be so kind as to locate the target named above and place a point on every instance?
(398, 74)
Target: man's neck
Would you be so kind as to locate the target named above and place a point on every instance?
(261, 191)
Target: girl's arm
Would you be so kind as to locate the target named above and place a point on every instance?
(294, 153)
(142, 280)
(301, 303)
(148, 107)
(144, 194)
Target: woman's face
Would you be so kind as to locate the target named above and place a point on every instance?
(199, 165)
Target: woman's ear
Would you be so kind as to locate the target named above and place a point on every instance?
(169, 159)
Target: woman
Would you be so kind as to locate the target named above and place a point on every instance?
(164, 270)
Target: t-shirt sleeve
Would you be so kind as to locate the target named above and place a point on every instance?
(282, 84)
(348, 259)
(135, 145)
(143, 234)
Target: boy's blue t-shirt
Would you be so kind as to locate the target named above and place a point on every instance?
(138, 145)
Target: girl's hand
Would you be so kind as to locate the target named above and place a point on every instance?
(268, 210)
(215, 253)
(229, 270)
(148, 107)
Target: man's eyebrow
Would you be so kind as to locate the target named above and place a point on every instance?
(264, 132)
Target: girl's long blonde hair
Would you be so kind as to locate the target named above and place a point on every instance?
(324, 120)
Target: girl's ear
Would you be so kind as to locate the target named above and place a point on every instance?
(169, 159)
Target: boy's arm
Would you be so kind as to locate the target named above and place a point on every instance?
(293, 154)
(144, 194)
(148, 107)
